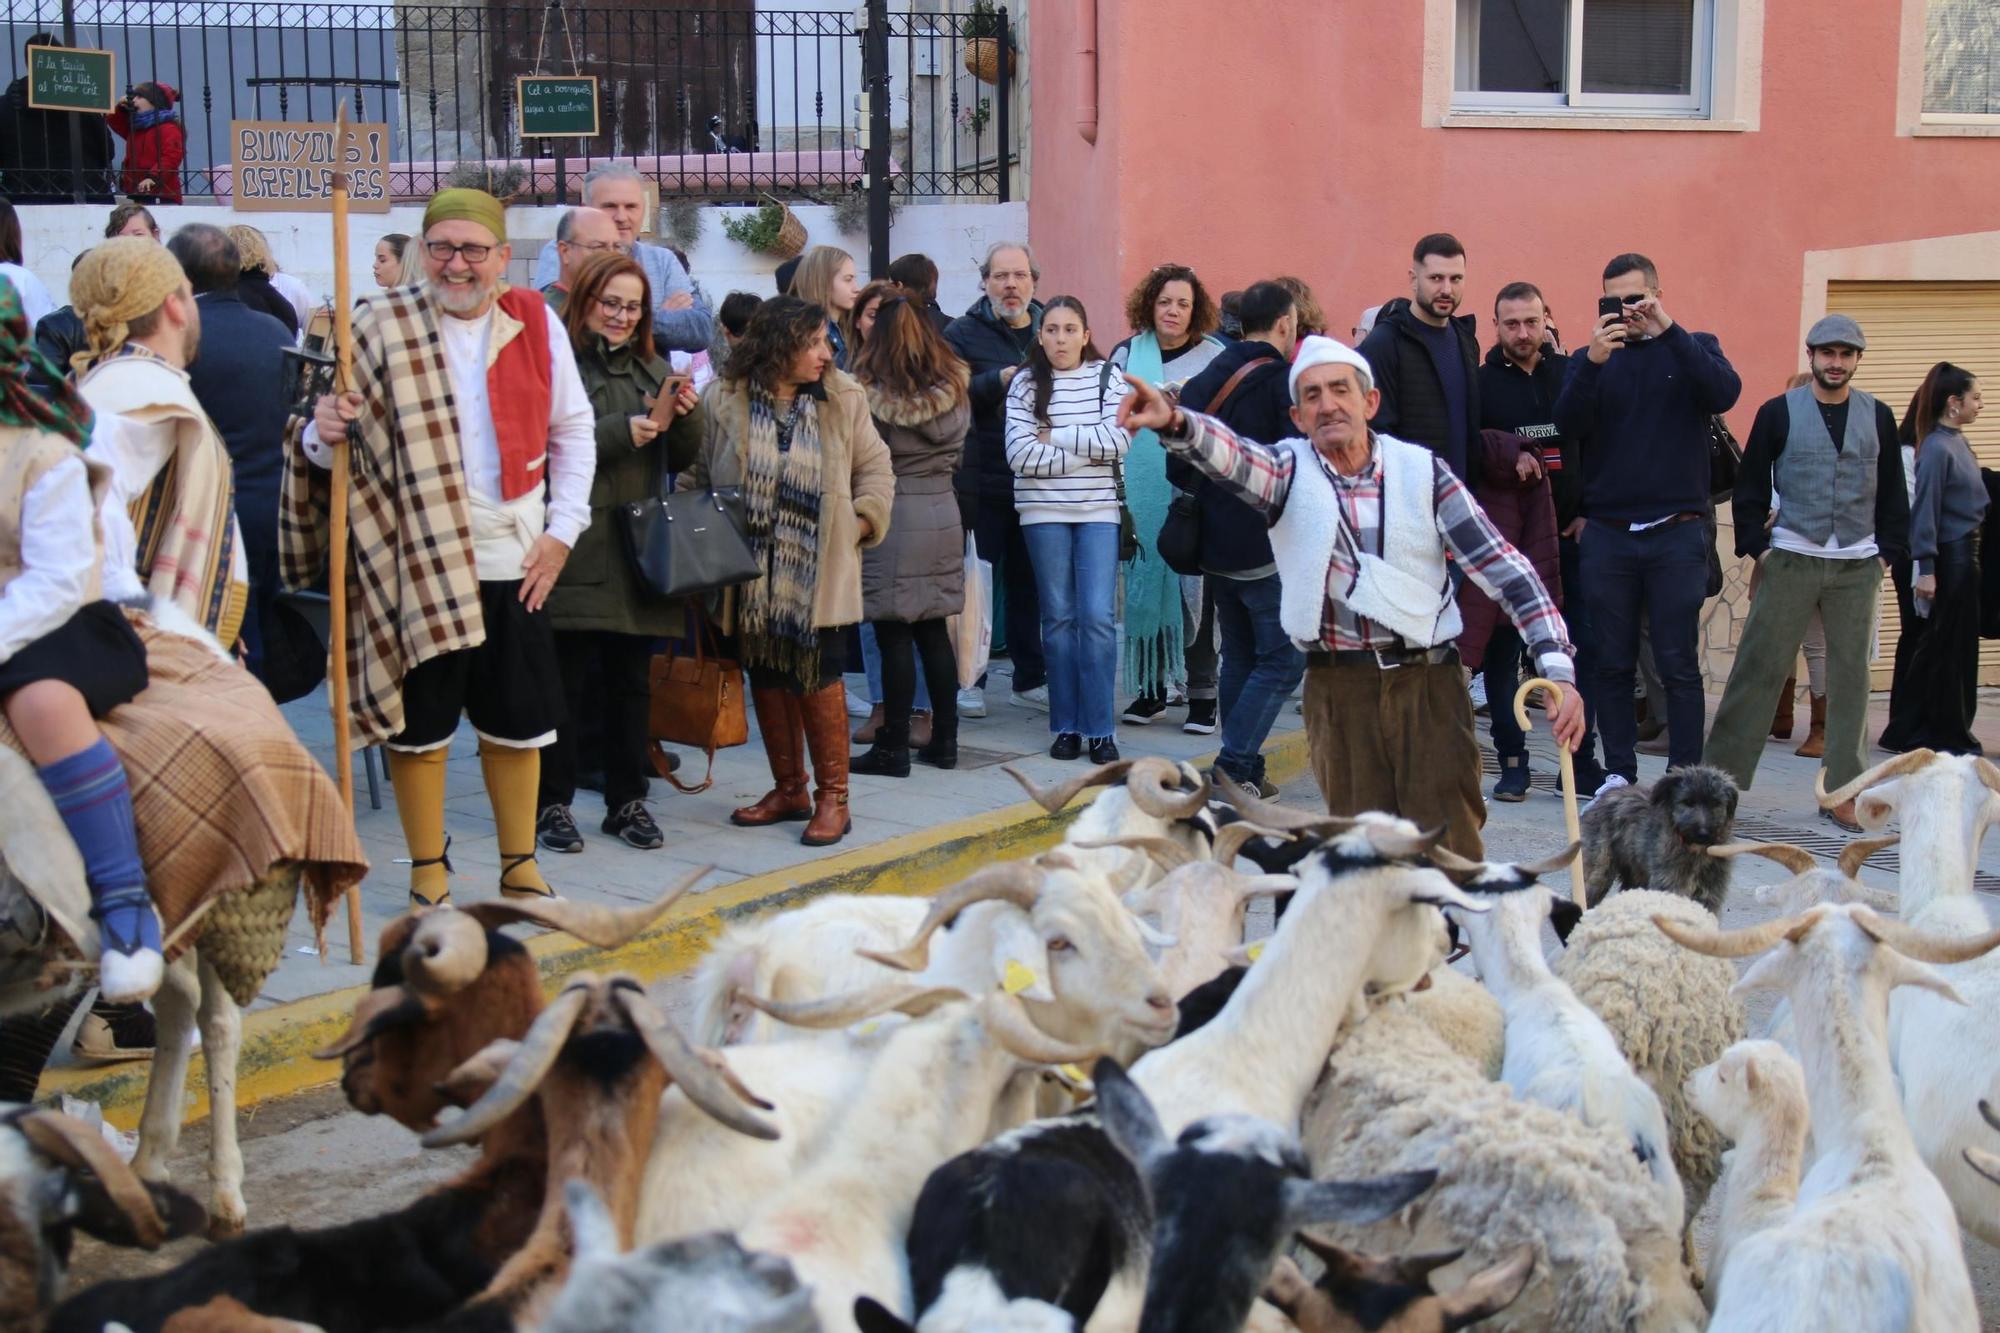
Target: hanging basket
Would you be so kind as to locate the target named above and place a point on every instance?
(982, 60)
(791, 238)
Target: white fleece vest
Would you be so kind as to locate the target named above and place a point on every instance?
(1406, 589)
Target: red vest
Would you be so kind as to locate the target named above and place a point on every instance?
(519, 392)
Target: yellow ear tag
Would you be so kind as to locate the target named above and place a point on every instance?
(867, 1029)
(1016, 977)
(1074, 1074)
(1255, 951)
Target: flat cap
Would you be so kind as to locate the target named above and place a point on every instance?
(1837, 329)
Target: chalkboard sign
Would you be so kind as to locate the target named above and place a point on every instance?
(556, 106)
(63, 78)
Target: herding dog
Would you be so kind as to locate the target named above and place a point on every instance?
(1660, 840)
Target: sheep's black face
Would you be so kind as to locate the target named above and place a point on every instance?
(1219, 1200)
(1698, 803)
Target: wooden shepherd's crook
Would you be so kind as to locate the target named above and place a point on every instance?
(336, 583)
(1570, 824)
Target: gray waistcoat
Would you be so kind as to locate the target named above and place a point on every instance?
(1822, 492)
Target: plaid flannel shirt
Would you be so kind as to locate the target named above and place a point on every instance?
(1261, 477)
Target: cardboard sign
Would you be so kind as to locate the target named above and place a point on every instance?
(548, 106)
(68, 78)
(287, 166)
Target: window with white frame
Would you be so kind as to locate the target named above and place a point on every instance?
(1962, 61)
(1625, 57)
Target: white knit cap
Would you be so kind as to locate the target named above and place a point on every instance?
(1318, 351)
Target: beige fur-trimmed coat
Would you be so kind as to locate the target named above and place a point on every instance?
(919, 572)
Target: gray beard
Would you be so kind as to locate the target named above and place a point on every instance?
(456, 300)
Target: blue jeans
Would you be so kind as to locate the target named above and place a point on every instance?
(1660, 575)
(1260, 669)
(1076, 573)
(871, 662)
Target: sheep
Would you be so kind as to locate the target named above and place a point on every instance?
(1942, 1053)
(1670, 1011)
(1397, 1097)
(1756, 1095)
(58, 1176)
(1873, 1242)
(1358, 1293)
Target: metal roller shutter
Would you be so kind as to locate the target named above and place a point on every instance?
(1911, 326)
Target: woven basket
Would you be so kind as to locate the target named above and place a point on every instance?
(791, 238)
(982, 59)
(243, 937)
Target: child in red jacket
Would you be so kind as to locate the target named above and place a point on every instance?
(150, 124)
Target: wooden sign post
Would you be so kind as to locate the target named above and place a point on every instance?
(290, 166)
(68, 78)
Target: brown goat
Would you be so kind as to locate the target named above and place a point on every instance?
(1360, 1292)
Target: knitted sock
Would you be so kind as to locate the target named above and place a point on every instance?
(91, 794)
(419, 782)
(513, 780)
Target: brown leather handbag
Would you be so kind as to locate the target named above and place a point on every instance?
(697, 701)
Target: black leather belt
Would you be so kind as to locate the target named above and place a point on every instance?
(1385, 658)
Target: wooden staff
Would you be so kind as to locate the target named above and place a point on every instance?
(1570, 822)
(343, 380)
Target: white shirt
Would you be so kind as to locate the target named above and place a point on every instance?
(35, 298)
(56, 558)
(1784, 539)
(135, 453)
(297, 293)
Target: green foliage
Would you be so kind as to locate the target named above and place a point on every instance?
(683, 221)
(983, 20)
(501, 182)
(756, 231)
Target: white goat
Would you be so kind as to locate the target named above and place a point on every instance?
(1873, 1243)
(1154, 797)
(1943, 1053)
(1756, 1095)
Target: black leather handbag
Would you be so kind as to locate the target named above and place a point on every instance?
(1179, 542)
(685, 543)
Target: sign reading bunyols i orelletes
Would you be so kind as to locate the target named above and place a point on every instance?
(288, 166)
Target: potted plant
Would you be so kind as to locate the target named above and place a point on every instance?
(682, 221)
(772, 230)
(506, 183)
(974, 118)
(850, 212)
(982, 45)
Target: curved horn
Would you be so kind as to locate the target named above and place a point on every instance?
(1054, 797)
(1398, 846)
(369, 1010)
(1907, 762)
(1169, 854)
(715, 1060)
(1985, 1163)
(1732, 943)
(1445, 859)
(1252, 886)
(1016, 882)
(1922, 946)
(837, 1011)
(1277, 816)
(606, 927)
(478, 1072)
(1856, 853)
(1989, 774)
(1230, 839)
(1006, 1021)
(1795, 859)
(1548, 865)
(1154, 786)
(75, 1144)
(722, 1098)
(1988, 1114)
(445, 953)
(524, 1073)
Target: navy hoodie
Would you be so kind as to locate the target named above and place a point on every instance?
(1234, 537)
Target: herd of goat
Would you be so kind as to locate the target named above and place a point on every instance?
(1065, 1095)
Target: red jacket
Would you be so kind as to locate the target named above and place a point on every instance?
(153, 154)
(1525, 514)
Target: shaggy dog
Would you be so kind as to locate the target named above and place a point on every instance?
(1660, 841)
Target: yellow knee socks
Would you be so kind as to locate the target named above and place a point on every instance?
(513, 777)
(419, 782)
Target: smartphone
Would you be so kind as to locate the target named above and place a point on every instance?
(1610, 305)
(662, 411)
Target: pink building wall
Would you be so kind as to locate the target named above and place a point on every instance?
(1251, 138)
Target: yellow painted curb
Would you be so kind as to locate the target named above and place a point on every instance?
(278, 1043)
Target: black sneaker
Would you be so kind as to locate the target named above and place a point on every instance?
(1143, 710)
(555, 829)
(634, 826)
(1513, 783)
(1200, 718)
(1103, 750)
(1068, 745)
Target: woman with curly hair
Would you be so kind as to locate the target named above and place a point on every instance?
(794, 434)
(1169, 627)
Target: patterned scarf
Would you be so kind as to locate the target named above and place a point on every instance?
(62, 412)
(781, 495)
(146, 120)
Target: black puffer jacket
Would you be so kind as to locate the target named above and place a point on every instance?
(1512, 400)
(1234, 538)
(989, 346)
(1412, 397)
(60, 336)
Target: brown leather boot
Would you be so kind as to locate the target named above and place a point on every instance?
(784, 746)
(1814, 746)
(1781, 721)
(825, 713)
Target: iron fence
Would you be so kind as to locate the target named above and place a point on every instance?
(723, 103)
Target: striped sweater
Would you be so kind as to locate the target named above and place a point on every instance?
(1066, 478)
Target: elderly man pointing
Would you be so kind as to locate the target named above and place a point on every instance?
(1362, 526)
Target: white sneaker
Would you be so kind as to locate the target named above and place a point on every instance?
(1478, 693)
(1612, 782)
(972, 702)
(1037, 698)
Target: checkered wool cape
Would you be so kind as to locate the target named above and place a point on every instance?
(412, 587)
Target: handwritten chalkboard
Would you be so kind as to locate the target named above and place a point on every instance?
(555, 106)
(62, 78)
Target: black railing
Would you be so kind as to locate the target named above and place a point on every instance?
(722, 103)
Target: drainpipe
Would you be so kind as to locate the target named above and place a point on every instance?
(1086, 70)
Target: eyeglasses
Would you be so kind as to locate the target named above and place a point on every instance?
(597, 247)
(442, 251)
(613, 307)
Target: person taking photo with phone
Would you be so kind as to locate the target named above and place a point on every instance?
(148, 119)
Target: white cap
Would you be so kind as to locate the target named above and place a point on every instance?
(1319, 351)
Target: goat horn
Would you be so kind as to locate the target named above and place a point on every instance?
(1277, 816)
(837, 1011)
(1017, 882)
(524, 1073)
(75, 1144)
(1548, 865)
(1230, 839)
(718, 1093)
(1252, 886)
(1006, 1021)
(1987, 1113)
(1445, 859)
(1907, 762)
(1743, 943)
(1395, 846)
(1155, 787)
(605, 927)
(368, 1011)
(1856, 853)
(715, 1060)
(1989, 775)
(1055, 797)
(1169, 854)
(1922, 946)
(1985, 1163)
(1795, 859)
(445, 954)
(479, 1071)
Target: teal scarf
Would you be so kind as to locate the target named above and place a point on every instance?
(1154, 655)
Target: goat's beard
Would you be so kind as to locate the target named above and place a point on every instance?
(467, 298)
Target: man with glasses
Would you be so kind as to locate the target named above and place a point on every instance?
(581, 236)
(473, 447)
(681, 322)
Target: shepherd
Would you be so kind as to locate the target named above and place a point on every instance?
(470, 482)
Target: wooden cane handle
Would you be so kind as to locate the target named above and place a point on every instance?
(1572, 822)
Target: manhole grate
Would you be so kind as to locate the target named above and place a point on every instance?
(972, 757)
